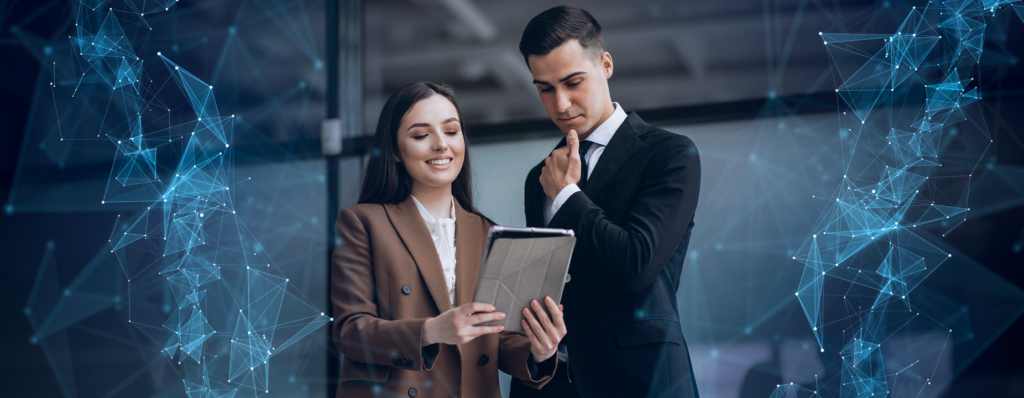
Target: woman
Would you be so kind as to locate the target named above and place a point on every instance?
(406, 268)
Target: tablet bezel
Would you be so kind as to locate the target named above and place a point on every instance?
(498, 232)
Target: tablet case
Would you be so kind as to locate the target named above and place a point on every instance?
(516, 271)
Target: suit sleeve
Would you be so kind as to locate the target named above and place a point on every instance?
(515, 359)
(361, 335)
(634, 253)
(531, 203)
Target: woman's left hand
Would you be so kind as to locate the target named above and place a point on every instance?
(545, 332)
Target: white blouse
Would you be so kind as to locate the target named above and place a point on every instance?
(442, 232)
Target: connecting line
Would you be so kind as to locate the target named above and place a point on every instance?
(53, 95)
(80, 79)
(793, 29)
(159, 89)
(111, 240)
(941, 352)
(899, 328)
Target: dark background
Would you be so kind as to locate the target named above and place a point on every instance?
(998, 371)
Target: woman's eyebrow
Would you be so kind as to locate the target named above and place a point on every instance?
(417, 125)
(449, 120)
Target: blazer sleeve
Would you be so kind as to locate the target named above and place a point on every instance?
(632, 254)
(515, 359)
(361, 335)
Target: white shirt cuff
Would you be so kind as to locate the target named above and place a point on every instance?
(562, 197)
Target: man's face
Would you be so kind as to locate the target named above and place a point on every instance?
(573, 86)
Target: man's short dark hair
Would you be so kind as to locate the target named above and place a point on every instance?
(557, 25)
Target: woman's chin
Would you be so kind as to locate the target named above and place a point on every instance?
(436, 179)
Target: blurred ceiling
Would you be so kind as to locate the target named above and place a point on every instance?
(666, 53)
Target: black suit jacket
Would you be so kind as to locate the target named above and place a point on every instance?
(632, 222)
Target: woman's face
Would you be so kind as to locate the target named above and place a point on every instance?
(430, 143)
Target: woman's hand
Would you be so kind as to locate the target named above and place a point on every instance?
(546, 332)
(458, 325)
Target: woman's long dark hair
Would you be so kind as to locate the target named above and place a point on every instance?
(387, 181)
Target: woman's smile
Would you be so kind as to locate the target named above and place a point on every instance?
(440, 163)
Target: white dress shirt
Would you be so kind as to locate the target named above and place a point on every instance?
(442, 232)
(600, 138)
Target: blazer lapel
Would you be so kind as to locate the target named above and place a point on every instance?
(469, 243)
(413, 231)
(621, 147)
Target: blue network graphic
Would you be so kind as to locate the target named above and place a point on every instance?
(908, 165)
(191, 277)
(209, 282)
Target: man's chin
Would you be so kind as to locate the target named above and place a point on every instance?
(578, 125)
(573, 121)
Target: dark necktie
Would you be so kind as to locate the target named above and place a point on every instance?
(584, 147)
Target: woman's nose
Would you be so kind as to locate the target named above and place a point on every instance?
(440, 144)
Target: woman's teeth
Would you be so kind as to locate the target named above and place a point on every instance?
(440, 162)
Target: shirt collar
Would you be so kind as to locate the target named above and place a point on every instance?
(429, 218)
(603, 133)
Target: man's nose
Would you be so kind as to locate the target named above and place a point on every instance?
(562, 101)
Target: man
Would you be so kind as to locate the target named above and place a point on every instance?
(629, 192)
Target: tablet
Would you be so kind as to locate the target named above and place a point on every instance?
(520, 265)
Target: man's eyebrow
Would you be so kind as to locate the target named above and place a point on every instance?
(561, 80)
(449, 120)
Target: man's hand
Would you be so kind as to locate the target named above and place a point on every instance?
(562, 167)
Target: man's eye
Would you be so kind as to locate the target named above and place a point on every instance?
(546, 90)
(573, 84)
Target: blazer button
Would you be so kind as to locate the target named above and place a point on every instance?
(406, 289)
(412, 392)
(484, 359)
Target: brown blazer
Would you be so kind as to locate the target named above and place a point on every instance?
(386, 281)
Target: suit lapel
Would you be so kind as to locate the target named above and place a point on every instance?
(621, 147)
(413, 231)
(469, 242)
